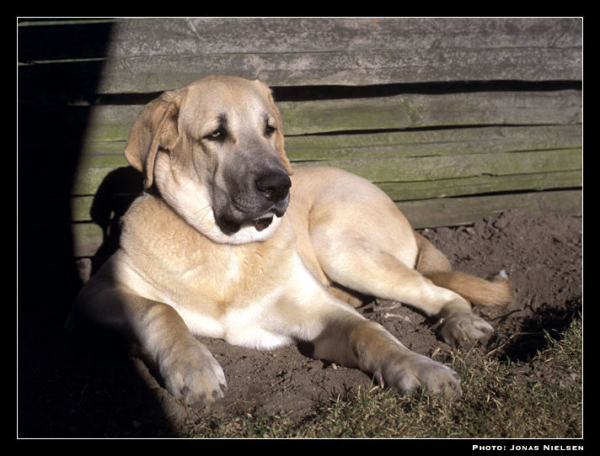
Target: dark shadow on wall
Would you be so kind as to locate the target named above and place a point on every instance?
(113, 197)
(65, 389)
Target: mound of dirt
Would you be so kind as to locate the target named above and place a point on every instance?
(68, 391)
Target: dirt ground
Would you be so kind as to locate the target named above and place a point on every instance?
(66, 390)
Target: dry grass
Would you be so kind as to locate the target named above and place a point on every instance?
(538, 398)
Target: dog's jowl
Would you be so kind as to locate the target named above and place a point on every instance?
(229, 242)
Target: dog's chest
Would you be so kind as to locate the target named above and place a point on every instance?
(224, 291)
(207, 278)
(222, 299)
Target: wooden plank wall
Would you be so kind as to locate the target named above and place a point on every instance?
(455, 119)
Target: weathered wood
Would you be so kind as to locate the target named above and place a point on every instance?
(112, 123)
(403, 169)
(88, 238)
(407, 169)
(343, 68)
(446, 157)
(197, 36)
(148, 55)
(478, 185)
(463, 211)
(422, 214)
(82, 207)
(394, 144)
(418, 111)
(417, 143)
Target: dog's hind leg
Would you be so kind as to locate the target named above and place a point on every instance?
(362, 242)
(371, 268)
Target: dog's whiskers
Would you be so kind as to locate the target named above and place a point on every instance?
(203, 212)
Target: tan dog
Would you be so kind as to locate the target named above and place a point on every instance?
(219, 246)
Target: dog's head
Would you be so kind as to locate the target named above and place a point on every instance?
(214, 149)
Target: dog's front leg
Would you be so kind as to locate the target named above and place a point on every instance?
(188, 369)
(190, 372)
(353, 341)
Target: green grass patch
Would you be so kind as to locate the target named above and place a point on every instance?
(538, 398)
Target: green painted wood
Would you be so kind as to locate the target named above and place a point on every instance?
(398, 143)
(112, 123)
(408, 169)
(479, 185)
(464, 211)
(419, 111)
(433, 142)
(87, 239)
(89, 180)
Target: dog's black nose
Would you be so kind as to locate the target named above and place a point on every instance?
(274, 185)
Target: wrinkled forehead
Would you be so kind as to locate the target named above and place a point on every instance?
(237, 100)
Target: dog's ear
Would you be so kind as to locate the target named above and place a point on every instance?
(156, 128)
(279, 136)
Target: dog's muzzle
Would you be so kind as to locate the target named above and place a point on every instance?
(268, 196)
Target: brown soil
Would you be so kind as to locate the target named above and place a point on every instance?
(70, 391)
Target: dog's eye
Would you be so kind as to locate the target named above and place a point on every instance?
(269, 130)
(217, 135)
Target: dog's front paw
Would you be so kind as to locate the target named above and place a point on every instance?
(464, 329)
(194, 376)
(417, 372)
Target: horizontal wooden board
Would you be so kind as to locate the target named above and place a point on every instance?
(138, 37)
(88, 237)
(370, 67)
(420, 111)
(147, 55)
(112, 123)
(463, 211)
(408, 169)
(479, 185)
(417, 143)
(394, 144)
(196, 36)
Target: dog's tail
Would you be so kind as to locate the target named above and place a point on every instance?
(434, 265)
